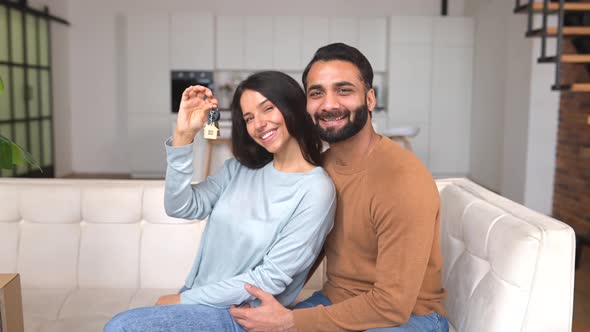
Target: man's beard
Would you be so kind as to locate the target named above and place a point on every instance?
(351, 128)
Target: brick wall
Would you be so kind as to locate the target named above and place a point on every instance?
(571, 195)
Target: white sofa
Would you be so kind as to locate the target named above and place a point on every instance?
(88, 249)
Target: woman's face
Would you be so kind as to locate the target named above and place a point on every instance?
(264, 122)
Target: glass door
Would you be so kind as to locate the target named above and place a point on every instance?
(26, 114)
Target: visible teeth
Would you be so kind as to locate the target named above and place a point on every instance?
(333, 119)
(267, 135)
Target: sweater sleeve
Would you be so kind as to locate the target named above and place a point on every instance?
(191, 201)
(404, 223)
(297, 246)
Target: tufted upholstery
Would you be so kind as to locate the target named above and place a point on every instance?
(87, 249)
(506, 268)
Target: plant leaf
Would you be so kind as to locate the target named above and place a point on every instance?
(31, 161)
(17, 156)
(4, 139)
(5, 154)
(12, 154)
(20, 157)
(1, 86)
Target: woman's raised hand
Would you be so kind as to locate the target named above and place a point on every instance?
(194, 108)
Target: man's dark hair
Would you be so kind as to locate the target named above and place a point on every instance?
(286, 94)
(342, 52)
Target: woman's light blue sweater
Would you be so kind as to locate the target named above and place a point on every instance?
(265, 227)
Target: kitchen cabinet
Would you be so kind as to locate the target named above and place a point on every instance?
(287, 42)
(315, 34)
(373, 41)
(230, 49)
(146, 136)
(344, 30)
(148, 64)
(369, 35)
(429, 86)
(409, 82)
(258, 42)
(148, 93)
(191, 41)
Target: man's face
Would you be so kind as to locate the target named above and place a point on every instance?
(336, 99)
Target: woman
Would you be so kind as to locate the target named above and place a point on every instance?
(269, 209)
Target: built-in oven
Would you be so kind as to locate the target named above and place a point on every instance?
(182, 79)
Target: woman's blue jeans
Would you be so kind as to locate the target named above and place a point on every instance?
(174, 318)
(196, 317)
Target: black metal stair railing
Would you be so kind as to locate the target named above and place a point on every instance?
(560, 22)
(559, 7)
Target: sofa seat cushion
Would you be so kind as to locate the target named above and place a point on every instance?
(44, 303)
(81, 309)
(96, 302)
(148, 296)
(78, 324)
(41, 306)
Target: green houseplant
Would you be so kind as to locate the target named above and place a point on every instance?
(11, 153)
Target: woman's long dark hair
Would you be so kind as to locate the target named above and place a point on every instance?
(286, 94)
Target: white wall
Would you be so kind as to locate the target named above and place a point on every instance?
(518, 69)
(487, 115)
(542, 136)
(514, 119)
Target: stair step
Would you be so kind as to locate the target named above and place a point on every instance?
(553, 7)
(569, 58)
(567, 31)
(580, 87)
(574, 87)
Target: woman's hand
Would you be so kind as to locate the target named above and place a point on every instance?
(194, 108)
(169, 299)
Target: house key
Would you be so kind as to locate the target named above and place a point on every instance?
(212, 126)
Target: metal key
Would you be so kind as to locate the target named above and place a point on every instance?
(211, 130)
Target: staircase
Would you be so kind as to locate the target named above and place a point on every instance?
(573, 22)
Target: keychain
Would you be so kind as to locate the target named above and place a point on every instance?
(212, 127)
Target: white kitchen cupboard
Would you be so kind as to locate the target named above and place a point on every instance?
(373, 41)
(316, 33)
(409, 83)
(147, 64)
(369, 35)
(258, 42)
(192, 41)
(146, 136)
(230, 46)
(287, 42)
(344, 30)
(429, 86)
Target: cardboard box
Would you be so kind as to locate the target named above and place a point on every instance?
(11, 303)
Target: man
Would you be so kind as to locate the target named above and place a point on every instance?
(383, 254)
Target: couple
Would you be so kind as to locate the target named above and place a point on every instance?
(271, 208)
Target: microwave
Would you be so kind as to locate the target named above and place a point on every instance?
(182, 79)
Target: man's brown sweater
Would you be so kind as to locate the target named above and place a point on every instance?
(383, 254)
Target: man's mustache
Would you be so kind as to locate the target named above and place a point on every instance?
(332, 114)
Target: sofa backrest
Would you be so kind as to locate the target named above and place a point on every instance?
(506, 267)
(93, 234)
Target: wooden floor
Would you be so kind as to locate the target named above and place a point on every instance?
(582, 295)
